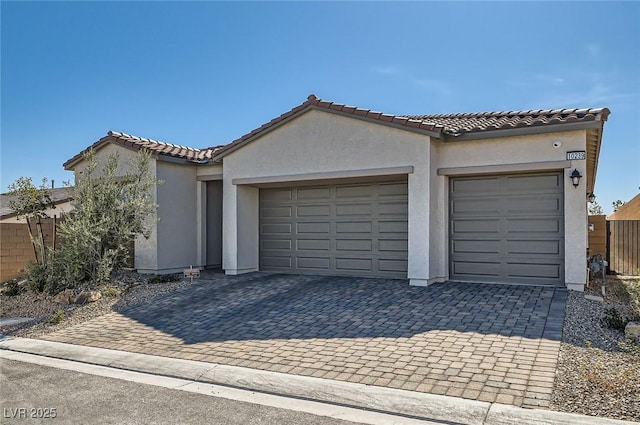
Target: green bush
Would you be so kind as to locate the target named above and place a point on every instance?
(12, 288)
(56, 317)
(614, 320)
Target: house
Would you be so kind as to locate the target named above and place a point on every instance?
(627, 211)
(15, 241)
(332, 189)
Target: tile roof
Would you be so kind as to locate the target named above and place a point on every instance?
(59, 195)
(442, 125)
(155, 147)
(458, 124)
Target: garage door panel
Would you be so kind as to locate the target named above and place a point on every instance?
(269, 263)
(400, 226)
(313, 227)
(361, 209)
(393, 208)
(533, 270)
(313, 244)
(311, 193)
(477, 268)
(354, 227)
(354, 264)
(534, 247)
(351, 229)
(531, 205)
(478, 246)
(280, 244)
(356, 191)
(507, 228)
(393, 245)
(485, 225)
(392, 265)
(354, 245)
(276, 229)
(476, 206)
(279, 212)
(476, 186)
(393, 189)
(538, 225)
(313, 263)
(531, 183)
(278, 195)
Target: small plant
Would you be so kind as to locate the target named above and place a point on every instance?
(12, 288)
(165, 278)
(110, 291)
(630, 346)
(36, 276)
(588, 344)
(56, 317)
(614, 320)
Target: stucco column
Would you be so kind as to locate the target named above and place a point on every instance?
(201, 222)
(418, 261)
(240, 229)
(575, 231)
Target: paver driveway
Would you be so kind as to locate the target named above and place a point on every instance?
(478, 341)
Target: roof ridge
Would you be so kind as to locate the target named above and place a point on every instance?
(564, 111)
(119, 134)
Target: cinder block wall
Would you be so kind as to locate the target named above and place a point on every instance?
(16, 249)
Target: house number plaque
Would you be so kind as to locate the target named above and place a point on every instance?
(576, 155)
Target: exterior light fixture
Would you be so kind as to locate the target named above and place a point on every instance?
(591, 197)
(575, 177)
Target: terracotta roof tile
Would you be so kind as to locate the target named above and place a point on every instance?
(153, 146)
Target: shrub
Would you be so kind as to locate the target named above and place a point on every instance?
(110, 291)
(12, 288)
(56, 317)
(614, 320)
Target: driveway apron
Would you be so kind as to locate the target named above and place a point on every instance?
(495, 343)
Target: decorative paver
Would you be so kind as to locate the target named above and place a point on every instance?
(496, 343)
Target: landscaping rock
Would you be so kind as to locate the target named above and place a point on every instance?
(632, 331)
(88, 297)
(65, 297)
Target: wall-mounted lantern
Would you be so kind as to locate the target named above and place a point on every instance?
(591, 197)
(575, 177)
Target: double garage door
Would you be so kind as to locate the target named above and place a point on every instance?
(507, 228)
(342, 229)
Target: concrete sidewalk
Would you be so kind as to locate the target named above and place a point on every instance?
(429, 407)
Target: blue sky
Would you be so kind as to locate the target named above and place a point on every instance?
(205, 73)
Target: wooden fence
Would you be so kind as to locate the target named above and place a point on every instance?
(623, 253)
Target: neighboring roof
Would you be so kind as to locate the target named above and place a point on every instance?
(628, 211)
(443, 126)
(59, 195)
(155, 147)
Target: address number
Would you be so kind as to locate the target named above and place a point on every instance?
(576, 155)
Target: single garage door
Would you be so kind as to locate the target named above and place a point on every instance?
(507, 228)
(343, 229)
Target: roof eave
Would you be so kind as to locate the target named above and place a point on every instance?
(522, 131)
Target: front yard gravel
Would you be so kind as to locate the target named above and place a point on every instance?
(594, 376)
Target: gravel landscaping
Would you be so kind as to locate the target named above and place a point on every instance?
(597, 373)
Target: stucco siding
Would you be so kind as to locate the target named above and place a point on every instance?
(177, 214)
(320, 142)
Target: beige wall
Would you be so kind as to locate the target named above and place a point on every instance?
(319, 142)
(58, 211)
(177, 226)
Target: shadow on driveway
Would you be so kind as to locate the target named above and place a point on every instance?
(261, 306)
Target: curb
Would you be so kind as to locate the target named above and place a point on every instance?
(385, 400)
